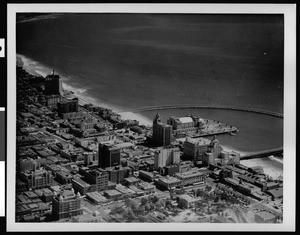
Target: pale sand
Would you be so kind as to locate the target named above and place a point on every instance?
(268, 167)
(38, 69)
(135, 116)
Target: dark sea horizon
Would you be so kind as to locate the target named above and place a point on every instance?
(130, 61)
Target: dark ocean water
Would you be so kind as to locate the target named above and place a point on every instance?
(257, 132)
(130, 61)
(138, 60)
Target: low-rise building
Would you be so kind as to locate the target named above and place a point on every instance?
(264, 217)
(147, 188)
(113, 194)
(96, 198)
(131, 181)
(186, 201)
(192, 176)
(80, 186)
(168, 182)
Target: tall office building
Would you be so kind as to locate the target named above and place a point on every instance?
(37, 179)
(208, 158)
(89, 157)
(66, 204)
(98, 177)
(196, 147)
(118, 174)
(28, 164)
(109, 155)
(67, 106)
(162, 133)
(215, 147)
(166, 157)
(53, 84)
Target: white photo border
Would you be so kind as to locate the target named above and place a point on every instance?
(289, 174)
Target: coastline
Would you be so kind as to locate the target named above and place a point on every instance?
(38, 69)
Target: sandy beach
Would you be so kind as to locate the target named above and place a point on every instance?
(38, 69)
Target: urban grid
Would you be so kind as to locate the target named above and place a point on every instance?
(81, 163)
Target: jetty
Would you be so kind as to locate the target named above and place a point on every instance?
(261, 154)
(245, 109)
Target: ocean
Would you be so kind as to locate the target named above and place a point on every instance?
(130, 61)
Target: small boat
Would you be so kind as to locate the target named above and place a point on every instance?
(231, 133)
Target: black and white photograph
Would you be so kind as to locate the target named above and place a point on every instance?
(164, 113)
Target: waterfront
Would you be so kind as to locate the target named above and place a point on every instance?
(257, 132)
(81, 140)
(162, 59)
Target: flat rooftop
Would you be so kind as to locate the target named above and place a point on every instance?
(169, 180)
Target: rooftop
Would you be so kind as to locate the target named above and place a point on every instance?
(277, 192)
(132, 179)
(186, 119)
(198, 141)
(266, 215)
(113, 192)
(169, 180)
(81, 182)
(191, 173)
(96, 196)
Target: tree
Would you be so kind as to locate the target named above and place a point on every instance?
(181, 204)
(168, 203)
(199, 193)
(117, 210)
(141, 210)
(216, 199)
(155, 199)
(208, 188)
(142, 218)
(144, 201)
(147, 207)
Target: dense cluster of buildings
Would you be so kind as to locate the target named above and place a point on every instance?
(68, 153)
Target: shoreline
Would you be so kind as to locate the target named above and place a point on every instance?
(37, 69)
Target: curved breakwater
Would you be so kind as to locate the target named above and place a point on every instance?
(153, 108)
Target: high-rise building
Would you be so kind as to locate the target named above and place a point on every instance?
(215, 147)
(162, 133)
(37, 179)
(117, 174)
(208, 158)
(53, 84)
(89, 157)
(175, 156)
(67, 106)
(98, 177)
(196, 147)
(166, 157)
(66, 204)
(224, 157)
(109, 155)
(28, 164)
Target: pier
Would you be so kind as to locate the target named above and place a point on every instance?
(261, 154)
(210, 133)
